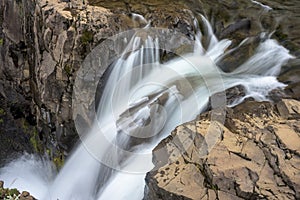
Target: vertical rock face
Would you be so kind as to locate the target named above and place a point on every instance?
(42, 45)
(63, 34)
(256, 156)
(17, 116)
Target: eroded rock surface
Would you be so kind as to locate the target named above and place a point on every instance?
(254, 155)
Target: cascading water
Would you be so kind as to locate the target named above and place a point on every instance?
(142, 102)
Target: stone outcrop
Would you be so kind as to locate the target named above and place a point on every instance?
(255, 154)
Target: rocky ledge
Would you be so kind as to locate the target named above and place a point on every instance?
(255, 154)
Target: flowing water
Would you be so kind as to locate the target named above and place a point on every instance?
(142, 102)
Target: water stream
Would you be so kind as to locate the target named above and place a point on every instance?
(142, 102)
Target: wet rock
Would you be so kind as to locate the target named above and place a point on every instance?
(229, 97)
(26, 196)
(17, 125)
(244, 24)
(278, 94)
(293, 90)
(289, 108)
(254, 155)
(229, 62)
(291, 76)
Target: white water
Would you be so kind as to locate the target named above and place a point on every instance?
(28, 173)
(159, 97)
(267, 8)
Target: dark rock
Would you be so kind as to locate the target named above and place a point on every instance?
(288, 108)
(244, 24)
(230, 62)
(293, 90)
(16, 131)
(26, 196)
(277, 95)
(229, 97)
(291, 75)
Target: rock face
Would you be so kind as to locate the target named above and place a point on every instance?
(40, 53)
(17, 116)
(254, 155)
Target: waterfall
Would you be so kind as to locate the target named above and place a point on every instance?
(142, 102)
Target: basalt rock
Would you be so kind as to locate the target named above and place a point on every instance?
(253, 155)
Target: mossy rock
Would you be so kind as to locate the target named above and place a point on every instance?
(68, 69)
(35, 141)
(59, 161)
(2, 112)
(13, 192)
(6, 193)
(87, 37)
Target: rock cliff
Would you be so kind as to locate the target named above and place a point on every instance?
(42, 45)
